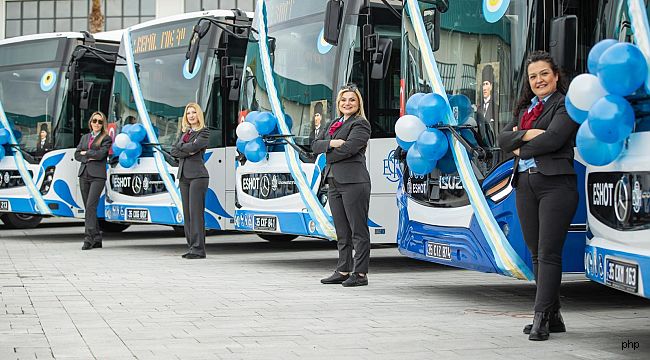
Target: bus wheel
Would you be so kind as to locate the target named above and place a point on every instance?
(179, 230)
(110, 227)
(278, 238)
(21, 221)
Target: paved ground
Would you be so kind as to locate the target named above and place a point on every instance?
(136, 298)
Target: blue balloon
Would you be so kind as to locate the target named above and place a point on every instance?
(116, 149)
(576, 114)
(461, 106)
(432, 109)
(126, 161)
(265, 123)
(417, 163)
(136, 132)
(413, 103)
(289, 121)
(4, 136)
(446, 164)
(126, 128)
(255, 150)
(404, 144)
(594, 151)
(432, 144)
(469, 136)
(611, 119)
(241, 145)
(622, 69)
(252, 116)
(132, 150)
(2, 152)
(596, 52)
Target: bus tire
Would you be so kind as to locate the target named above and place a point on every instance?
(179, 230)
(21, 221)
(277, 238)
(111, 227)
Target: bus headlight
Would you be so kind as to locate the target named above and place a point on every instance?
(47, 180)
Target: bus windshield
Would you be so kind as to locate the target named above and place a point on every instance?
(30, 93)
(303, 66)
(159, 54)
(477, 59)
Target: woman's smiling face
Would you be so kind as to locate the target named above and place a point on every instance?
(542, 79)
(349, 104)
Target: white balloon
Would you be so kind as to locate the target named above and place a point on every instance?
(585, 90)
(121, 140)
(246, 131)
(409, 127)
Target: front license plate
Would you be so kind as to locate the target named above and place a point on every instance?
(4, 205)
(622, 275)
(438, 251)
(267, 223)
(137, 215)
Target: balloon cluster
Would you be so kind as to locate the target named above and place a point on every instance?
(250, 131)
(417, 133)
(127, 144)
(596, 100)
(4, 139)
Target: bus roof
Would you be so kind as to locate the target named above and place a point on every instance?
(115, 36)
(191, 15)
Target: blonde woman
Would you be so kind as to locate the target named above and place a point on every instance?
(344, 144)
(92, 153)
(193, 177)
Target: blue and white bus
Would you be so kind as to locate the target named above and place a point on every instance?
(49, 86)
(153, 89)
(463, 213)
(618, 194)
(294, 73)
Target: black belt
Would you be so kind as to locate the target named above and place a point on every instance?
(531, 170)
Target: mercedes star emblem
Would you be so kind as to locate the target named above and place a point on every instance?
(137, 184)
(265, 186)
(621, 200)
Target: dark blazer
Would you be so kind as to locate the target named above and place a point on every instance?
(553, 150)
(347, 164)
(94, 162)
(190, 154)
(312, 133)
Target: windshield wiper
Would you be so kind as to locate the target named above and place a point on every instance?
(168, 157)
(279, 139)
(30, 159)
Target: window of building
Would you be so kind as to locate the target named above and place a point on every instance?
(32, 17)
(198, 5)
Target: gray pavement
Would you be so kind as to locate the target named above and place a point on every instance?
(250, 299)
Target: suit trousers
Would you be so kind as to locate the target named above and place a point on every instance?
(91, 190)
(349, 204)
(193, 196)
(546, 205)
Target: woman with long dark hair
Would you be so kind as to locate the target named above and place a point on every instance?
(344, 144)
(92, 153)
(541, 136)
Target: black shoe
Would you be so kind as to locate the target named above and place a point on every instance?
(335, 278)
(194, 256)
(185, 255)
(540, 330)
(356, 280)
(97, 245)
(555, 323)
(87, 246)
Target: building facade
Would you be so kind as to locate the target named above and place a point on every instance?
(25, 17)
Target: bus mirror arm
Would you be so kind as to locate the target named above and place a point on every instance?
(202, 27)
(475, 151)
(279, 139)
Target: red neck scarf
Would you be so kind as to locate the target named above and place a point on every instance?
(186, 137)
(335, 126)
(532, 115)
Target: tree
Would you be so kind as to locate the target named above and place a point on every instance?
(96, 19)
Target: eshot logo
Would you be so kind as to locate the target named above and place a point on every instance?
(391, 167)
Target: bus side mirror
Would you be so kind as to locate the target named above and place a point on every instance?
(85, 88)
(333, 19)
(193, 51)
(432, 24)
(563, 43)
(381, 59)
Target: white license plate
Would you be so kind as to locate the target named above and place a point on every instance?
(136, 215)
(622, 275)
(4, 205)
(267, 223)
(438, 251)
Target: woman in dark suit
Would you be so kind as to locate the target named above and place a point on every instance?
(193, 177)
(92, 153)
(541, 136)
(344, 144)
